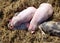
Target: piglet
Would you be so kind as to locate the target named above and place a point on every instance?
(44, 11)
(22, 17)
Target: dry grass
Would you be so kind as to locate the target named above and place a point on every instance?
(7, 10)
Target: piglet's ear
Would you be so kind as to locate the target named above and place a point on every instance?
(16, 14)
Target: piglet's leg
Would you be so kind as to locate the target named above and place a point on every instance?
(27, 25)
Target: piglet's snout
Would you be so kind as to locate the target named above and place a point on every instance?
(10, 26)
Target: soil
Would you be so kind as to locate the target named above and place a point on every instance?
(9, 7)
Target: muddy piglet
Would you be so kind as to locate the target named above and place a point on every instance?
(44, 11)
(22, 17)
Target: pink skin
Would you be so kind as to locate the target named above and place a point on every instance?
(44, 11)
(24, 16)
(27, 24)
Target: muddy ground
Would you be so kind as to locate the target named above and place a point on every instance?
(9, 7)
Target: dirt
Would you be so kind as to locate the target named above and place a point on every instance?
(9, 7)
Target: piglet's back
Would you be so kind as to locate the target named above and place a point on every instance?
(47, 7)
(26, 14)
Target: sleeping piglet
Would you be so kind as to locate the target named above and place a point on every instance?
(24, 16)
(44, 11)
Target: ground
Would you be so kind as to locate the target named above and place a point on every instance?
(9, 7)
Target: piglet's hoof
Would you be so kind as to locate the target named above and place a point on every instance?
(51, 27)
(31, 31)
